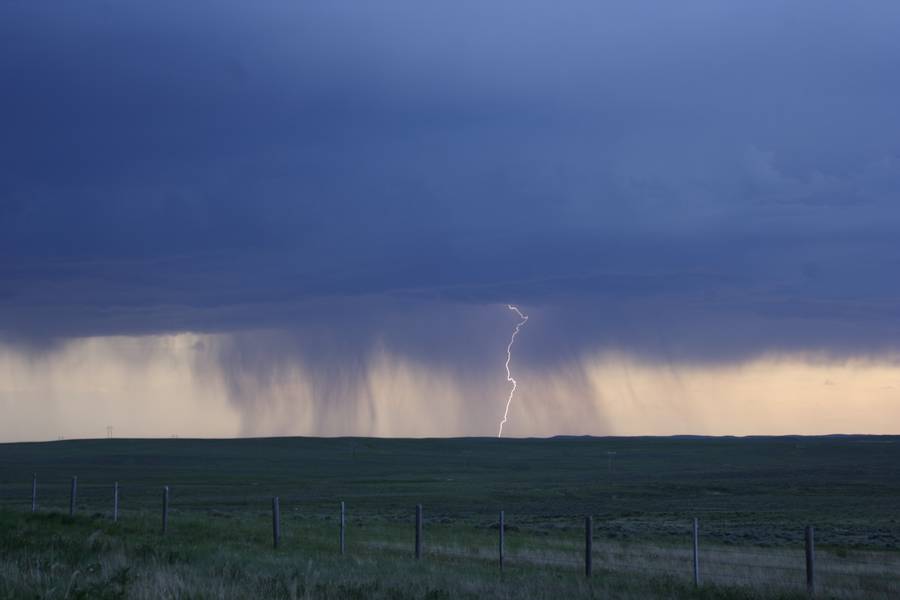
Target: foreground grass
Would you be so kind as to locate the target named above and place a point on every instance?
(753, 497)
(206, 556)
(54, 556)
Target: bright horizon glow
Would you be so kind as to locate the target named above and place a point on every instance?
(159, 386)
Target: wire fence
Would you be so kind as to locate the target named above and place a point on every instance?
(829, 571)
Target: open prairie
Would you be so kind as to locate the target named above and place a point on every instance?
(752, 496)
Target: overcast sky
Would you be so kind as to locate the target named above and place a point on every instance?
(318, 185)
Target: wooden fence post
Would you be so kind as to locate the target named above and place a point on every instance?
(342, 527)
(810, 560)
(418, 531)
(34, 493)
(72, 495)
(502, 527)
(165, 509)
(276, 522)
(588, 545)
(116, 502)
(696, 552)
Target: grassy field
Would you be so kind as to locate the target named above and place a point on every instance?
(753, 497)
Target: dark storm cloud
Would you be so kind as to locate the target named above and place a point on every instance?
(707, 181)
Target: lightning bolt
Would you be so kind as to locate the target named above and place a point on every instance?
(509, 376)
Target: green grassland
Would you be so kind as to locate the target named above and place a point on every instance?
(753, 497)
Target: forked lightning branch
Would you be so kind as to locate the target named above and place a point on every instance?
(509, 377)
